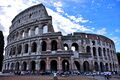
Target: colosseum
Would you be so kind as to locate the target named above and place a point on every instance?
(34, 46)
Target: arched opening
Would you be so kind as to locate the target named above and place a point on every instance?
(53, 65)
(19, 49)
(24, 66)
(36, 30)
(96, 66)
(54, 45)
(17, 66)
(86, 66)
(101, 66)
(65, 65)
(12, 66)
(77, 64)
(34, 47)
(104, 52)
(17, 35)
(88, 49)
(33, 65)
(44, 46)
(106, 67)
(110, 67)
(66, 46)
(26, 48)
(8, 66)
(94, 51)
(23, 34)
(108, 53)
(42, 66)
(93, 42)
(45, 29)
(10, 51)
(29, 32)
(74, 47)
(14, 50)
(113, 66)
(99, 51)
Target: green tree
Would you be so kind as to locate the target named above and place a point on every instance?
(1, 49)
(118, 56)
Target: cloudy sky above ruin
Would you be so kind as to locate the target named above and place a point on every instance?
(91, 16)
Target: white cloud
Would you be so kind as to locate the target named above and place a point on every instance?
(117, 30)
(65, 24)
(58, 5)
(102, 31)
(60, 23)
(116, 40)
(77, 19)
(78, 1)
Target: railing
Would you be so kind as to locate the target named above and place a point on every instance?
(85, 55)
(56, 53)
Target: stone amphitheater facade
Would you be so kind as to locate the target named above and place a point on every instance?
(32, 45)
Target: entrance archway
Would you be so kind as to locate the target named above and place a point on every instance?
(106, 67)
(42, 65)
(33, 66)
(54, 45)
(101, 66)
(17, 66)
(44, 46)
(110, 67)
(86, 66)
(24, 66)
(77, 65)
(96, 66)
(65, 65)
(53, 65)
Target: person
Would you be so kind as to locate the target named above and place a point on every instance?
(55, 76)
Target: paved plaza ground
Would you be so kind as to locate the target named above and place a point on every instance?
(32, 77)
(9, 76)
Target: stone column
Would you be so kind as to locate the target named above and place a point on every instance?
(107, 54)
(16, 51)
(29, 47)
(20, 66)
(97, 53)
(81, 67)
(38, 46)
(48, 44)
(59, 44)
(32, 31)
(102, 53)
(47, 64)
(22, 51)
(25, 33)
(59, 67)
(37, 65)
(92, 68)
(40, 32)
(28, 65)
(72, 66)
(4, 67)
(91, 50)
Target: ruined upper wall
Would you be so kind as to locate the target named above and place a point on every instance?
(29, 15)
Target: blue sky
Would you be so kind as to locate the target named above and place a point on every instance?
(91, 16)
